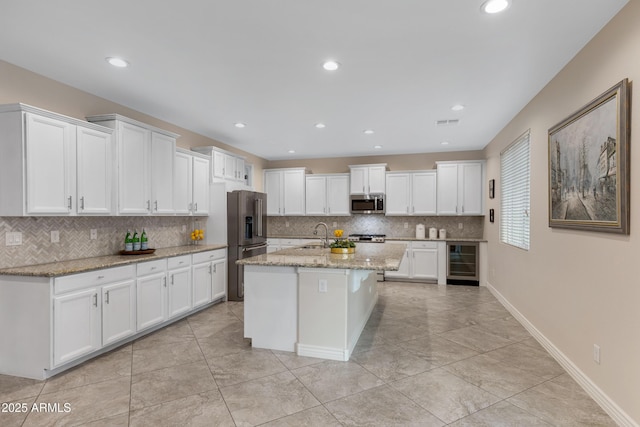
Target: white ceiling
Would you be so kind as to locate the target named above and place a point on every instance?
(206, 64)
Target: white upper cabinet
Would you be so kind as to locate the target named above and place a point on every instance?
(200, 186)
(411, 193)
(368, 179)
(191, 183)
(327, 194)
(53, 164)
(94, 171)
(134, 196)
(424, 192)
(145, 161)
(225, 165)
(460, 188)
(285, 190)
(398, 195)
(182, 183)
(163, 150)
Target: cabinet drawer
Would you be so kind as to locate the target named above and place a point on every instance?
(209, 256)
(179, 262)
(424, 245)
(93, 278)
(150, 267)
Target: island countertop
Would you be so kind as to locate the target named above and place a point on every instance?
(368, 256)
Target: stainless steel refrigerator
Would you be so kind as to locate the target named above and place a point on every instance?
(246, 235)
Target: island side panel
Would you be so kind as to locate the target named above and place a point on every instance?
(322, 322)
(362, 298)
(271, 307)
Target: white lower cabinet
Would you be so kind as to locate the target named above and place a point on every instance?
(118, 311)
(76, 325)
(419, 262)
(209, 271)
(179, 285)
(74, 317)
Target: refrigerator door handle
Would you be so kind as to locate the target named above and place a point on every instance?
(259, 216)
(253, 248)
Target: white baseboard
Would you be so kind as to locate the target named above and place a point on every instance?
(608, 405)
(322, 352)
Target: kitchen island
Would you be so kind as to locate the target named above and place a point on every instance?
(312, 302)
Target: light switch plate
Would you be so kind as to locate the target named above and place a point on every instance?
(55, 236)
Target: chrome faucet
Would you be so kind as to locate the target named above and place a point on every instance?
(325, 242)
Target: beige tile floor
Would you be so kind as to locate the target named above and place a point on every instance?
(429, 356)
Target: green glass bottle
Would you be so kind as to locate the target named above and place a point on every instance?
(136, 241)
(128, 242)
(144, 241)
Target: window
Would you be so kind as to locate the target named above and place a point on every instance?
(515, 188)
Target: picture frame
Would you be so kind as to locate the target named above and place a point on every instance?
(589, 170)
(492, 188)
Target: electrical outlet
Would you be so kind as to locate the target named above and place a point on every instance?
(335, 224)
(13, 238)
(406, 225)
(460, 226)
(286, 223)
(596, 353)
(322, 285)
(55, 236)
(94, 234)
(184, 228)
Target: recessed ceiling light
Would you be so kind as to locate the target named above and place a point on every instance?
(458, 107)
(444, 143)
(291, 151)
(368, 131)
(331, 65)
(117, 62)
(320, 125)
(240, 125)
(495, 6)
(377, 147)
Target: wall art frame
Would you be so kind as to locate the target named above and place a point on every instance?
(589, 169)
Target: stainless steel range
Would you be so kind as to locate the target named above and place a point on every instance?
(370, 238)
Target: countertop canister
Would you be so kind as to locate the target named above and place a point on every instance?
(420, 233)
(443, 234)
(433, 233)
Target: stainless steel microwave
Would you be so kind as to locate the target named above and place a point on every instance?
(367, 204)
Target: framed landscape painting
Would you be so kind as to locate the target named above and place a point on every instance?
(589, 165)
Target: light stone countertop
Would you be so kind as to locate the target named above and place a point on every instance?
(388, 238)
(63, 268)
(368, 256)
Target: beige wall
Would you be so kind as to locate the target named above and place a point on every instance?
(20, 85)
(395, 163)
(578, 288)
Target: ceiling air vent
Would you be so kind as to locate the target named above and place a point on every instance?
(450, 122)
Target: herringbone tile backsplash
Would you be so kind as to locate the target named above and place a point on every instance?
(75, 235)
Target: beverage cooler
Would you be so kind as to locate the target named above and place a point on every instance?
(463, 263)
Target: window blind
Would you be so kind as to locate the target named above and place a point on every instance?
(515, 189)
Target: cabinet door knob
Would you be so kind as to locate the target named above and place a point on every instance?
(106, 297)
(149, 205)
(82, 202)
(156, 205)
(95, 300)
(69, 202)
